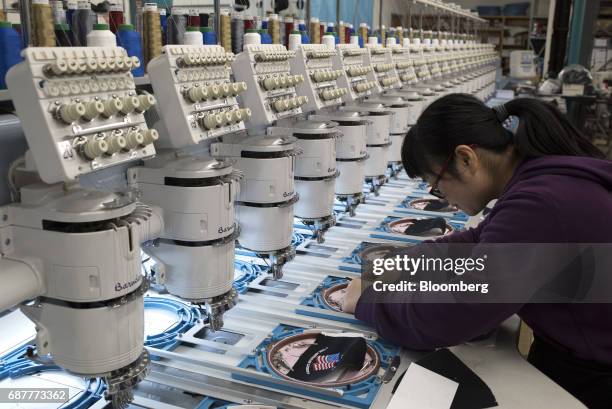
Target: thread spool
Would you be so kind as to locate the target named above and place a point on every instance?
(101, 36)
(399, 30)
(406, 43)
(43, 34)
(322, 27)
(252, 36)
(115, 16)
(163, 21)
(249, 23)
(274, 28)
(208, 35)
(363, 34)
(329, 40)
(63, 35)
(71, 7)
(59, 14)
(193, 36)
(290, 27)
(303, 32)
(82, 23)
(295, 40)
(264, 36)
(10, 49)
(238, 27)
(390, 33)
(225, 31)
(193, 19)
(341, 32)
(281, 31)
(355, 39)
(151, 32)
(177, 25)
(383, 35)
(315, 34)
(205, 20)
(372, 40)
(129, 39)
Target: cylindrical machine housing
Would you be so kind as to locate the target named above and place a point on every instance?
(92, 340)
(196, 271)
(316, 198)
(265, 229)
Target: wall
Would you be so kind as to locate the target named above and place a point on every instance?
(399, 7)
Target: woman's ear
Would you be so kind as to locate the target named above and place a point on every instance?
(467, 159)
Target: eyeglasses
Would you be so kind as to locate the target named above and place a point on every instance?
(435, 190)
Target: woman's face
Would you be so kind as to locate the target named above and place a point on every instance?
(468, 184)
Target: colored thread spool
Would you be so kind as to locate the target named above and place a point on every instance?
(193, 19)
(400, 34)
(151, 32)
(43, 34)
(63, 35)
(303, 32)
(383, 36)
(115, 16)
(252, 36)
(59, 14)
(193, 36)
(315, 35)
(205, 20)
(238, 28)
(290, 27)
(341, 32)
(249, 23)
(82, 23)
(295, 39)
(363, 34)
(265, 36)
(163, 21)
(129, 39)
(177, 25)
(225, 31)
(274, 28)
(209, 35)
(101, 36)
(10, 49)
(71, 7)
(322, 27)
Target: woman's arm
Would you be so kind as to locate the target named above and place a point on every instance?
(521, 218)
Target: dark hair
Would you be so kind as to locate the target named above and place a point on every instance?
(462, 119)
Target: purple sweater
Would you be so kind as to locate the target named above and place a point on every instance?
(554, 199)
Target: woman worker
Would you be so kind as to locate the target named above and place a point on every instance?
(552, 185)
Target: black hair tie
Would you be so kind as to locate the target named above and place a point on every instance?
(501, 113)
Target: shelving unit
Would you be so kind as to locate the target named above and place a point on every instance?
(519, 28)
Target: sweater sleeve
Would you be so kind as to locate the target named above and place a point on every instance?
(430, 325)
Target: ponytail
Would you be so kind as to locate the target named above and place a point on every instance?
(462, 119)
(544, 131)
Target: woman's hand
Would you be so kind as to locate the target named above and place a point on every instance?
(353, 292)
